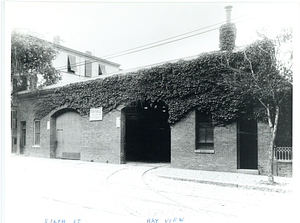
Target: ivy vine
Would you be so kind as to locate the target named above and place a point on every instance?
(227, 36)
(182, 86)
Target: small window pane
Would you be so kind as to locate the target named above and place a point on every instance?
(13, 119)
(37, 133)
(201, 136)
(37, 126)
(209, 135)
(88, 68)
(37, 139)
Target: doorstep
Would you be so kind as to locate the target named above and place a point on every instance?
(248, 171)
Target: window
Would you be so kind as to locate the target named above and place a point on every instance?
(13, 119)
(88, 68)
(36, 133)
(101, 69)
(204, 133)
(72, 68)
(23, 134)
(25, 83)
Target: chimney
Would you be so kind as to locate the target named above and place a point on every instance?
(228, 13)
(88, 52)
(56, 40)
(227, 32)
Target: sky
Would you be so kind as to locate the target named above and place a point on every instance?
(110, 28)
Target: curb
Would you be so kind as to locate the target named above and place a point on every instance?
(225, 184)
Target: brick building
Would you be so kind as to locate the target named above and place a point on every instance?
(138, 131)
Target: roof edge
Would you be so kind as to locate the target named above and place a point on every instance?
(60, 47)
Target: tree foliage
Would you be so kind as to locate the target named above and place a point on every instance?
(256, 73)
(30, 58)
(263, 74)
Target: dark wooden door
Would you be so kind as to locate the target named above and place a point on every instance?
(147, 133)
(247, 145)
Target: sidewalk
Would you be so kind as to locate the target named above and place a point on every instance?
(258, 182)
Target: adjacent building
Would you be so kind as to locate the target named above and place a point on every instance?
(75, 66)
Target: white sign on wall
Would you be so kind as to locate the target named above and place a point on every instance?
(96, 114)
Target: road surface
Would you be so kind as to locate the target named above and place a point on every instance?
(64, 191)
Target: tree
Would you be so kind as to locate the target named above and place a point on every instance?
(264, 72)
(31, 61)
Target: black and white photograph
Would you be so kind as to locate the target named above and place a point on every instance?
(149, 112)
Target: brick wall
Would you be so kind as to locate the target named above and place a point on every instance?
(283, 168)
(100, 141)
(263, 141)
(183, 153)
(26, 113)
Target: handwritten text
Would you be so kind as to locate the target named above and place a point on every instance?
(167, 220)
(62, 221)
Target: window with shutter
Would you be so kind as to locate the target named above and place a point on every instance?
(102, 69)
(88, 68)
(72, 67)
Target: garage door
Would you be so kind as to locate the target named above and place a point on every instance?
(68, 135)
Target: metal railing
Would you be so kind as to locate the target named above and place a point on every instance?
(283, 153)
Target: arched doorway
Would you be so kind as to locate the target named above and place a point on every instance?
(68, 135)
(146, 130)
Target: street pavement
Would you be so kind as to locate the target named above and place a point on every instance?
(54, 190)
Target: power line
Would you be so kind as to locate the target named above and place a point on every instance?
(159, 43)
(77, 64)
(117, 54)
(110, 56)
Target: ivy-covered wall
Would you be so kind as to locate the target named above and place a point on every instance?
(183, 86)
